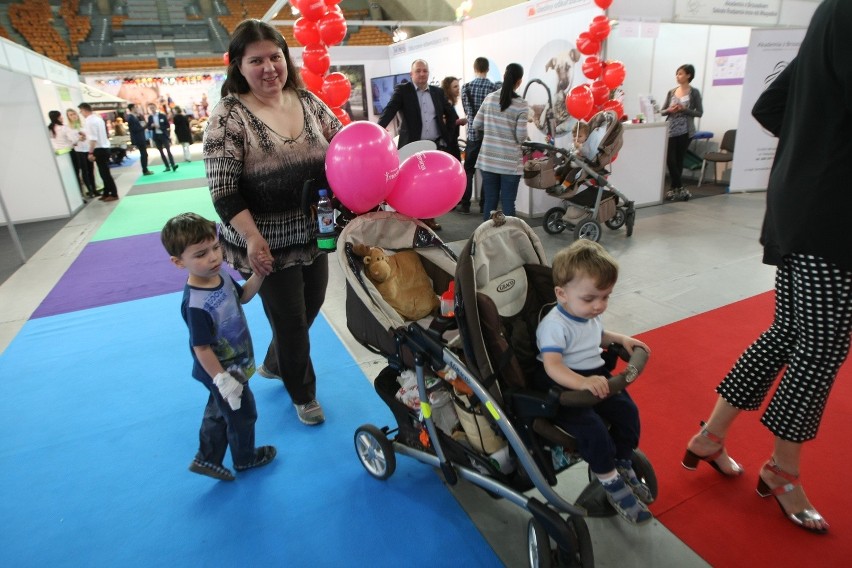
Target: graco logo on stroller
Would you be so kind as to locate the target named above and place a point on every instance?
(506, 285)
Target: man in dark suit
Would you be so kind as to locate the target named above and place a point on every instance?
(424, 112)
(137, 137)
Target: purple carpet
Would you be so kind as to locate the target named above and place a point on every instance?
(93, 279)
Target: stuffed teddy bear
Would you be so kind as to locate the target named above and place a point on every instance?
(401, 280)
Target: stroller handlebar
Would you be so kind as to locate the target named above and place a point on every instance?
(617, 383)
(424, 343)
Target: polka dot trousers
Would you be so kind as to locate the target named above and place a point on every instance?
(810, 335)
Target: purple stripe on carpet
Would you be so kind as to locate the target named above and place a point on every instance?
(113, 271)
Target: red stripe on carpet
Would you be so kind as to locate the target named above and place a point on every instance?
(723, 519)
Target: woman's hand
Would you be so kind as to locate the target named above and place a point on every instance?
(259, 255)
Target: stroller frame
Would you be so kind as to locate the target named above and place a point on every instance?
(419, 345)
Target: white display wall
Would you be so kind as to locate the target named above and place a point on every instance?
(35, 183)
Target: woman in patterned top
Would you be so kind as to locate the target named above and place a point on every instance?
(265, 138)
(681, 107)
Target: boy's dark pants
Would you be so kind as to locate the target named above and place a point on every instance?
(222, 427)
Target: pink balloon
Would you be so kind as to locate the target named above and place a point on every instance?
(430, 183)
(362, 165)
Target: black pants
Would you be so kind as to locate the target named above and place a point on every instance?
(675, 157)
(222, 427)
(87, 171)
(471, 153)
(292, 298)
(102, 160)
(162, 143)
(142, 145)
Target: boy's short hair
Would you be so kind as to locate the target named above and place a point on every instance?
(185, 230)
(581, 127)
(585, 257)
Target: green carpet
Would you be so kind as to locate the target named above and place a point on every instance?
(190, 170)
(148, 213)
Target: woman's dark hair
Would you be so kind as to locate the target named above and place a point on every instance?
(245, 34)
(511, 76)
(689, 70)
(54, 117)
(446, 84)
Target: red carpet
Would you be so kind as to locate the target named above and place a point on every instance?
(723, 519)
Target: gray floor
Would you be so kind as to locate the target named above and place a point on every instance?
(684, 258)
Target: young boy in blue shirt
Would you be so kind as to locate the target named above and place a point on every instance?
(570, 340)
(221, 347)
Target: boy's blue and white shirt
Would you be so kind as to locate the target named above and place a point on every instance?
(215, 317)
(578, 340)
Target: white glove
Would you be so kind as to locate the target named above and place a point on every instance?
(230, 389)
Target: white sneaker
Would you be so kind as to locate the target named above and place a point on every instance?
(266, 373)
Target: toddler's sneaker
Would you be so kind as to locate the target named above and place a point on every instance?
(211, 470)
(262, 456)
(310, 413)
(642, 491)
(622, 499)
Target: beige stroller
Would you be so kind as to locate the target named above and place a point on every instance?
(579, 179)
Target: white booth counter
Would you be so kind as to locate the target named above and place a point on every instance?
(638, 172)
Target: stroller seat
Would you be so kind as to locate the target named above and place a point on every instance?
(513, 290)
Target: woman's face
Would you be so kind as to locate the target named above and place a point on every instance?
(264, 67)
(72, 116)
(454, 89)
(682, 77)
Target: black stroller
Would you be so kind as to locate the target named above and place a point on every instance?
(500, 437)
(579, 179)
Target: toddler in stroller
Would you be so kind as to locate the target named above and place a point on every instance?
(580, 180)
(503, 441)
(569, 340)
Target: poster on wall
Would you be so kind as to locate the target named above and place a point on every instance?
(356, 106)
(769, 52)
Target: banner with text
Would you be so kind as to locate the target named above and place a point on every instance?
(769, 52)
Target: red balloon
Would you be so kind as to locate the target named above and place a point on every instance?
(331, 3)
(599, 28)
(311, 10)
(579, 101)
(587, 45)
(603, 4)
(336, 89)
(306, 31)
(600, 92)
(332, 28)
(592, 67)
(226, 57)
(614, 74)
(342, 115)
(614, 106)
(311, 80)
(315, 58)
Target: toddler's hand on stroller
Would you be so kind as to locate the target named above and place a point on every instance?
(597, 385)
(630, 344)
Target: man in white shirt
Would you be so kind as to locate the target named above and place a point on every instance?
(99, 149)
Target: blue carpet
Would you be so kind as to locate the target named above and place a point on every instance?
(101, 417)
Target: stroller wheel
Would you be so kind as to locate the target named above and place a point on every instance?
(645, 472)
(538, 543)
(583, 554)
(588, 229)
(553, 223)
(617, 220)
(375, 451)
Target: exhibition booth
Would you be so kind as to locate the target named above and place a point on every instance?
(539, 35)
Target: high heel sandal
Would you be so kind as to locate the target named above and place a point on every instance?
(799, 519)
(691, 459)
